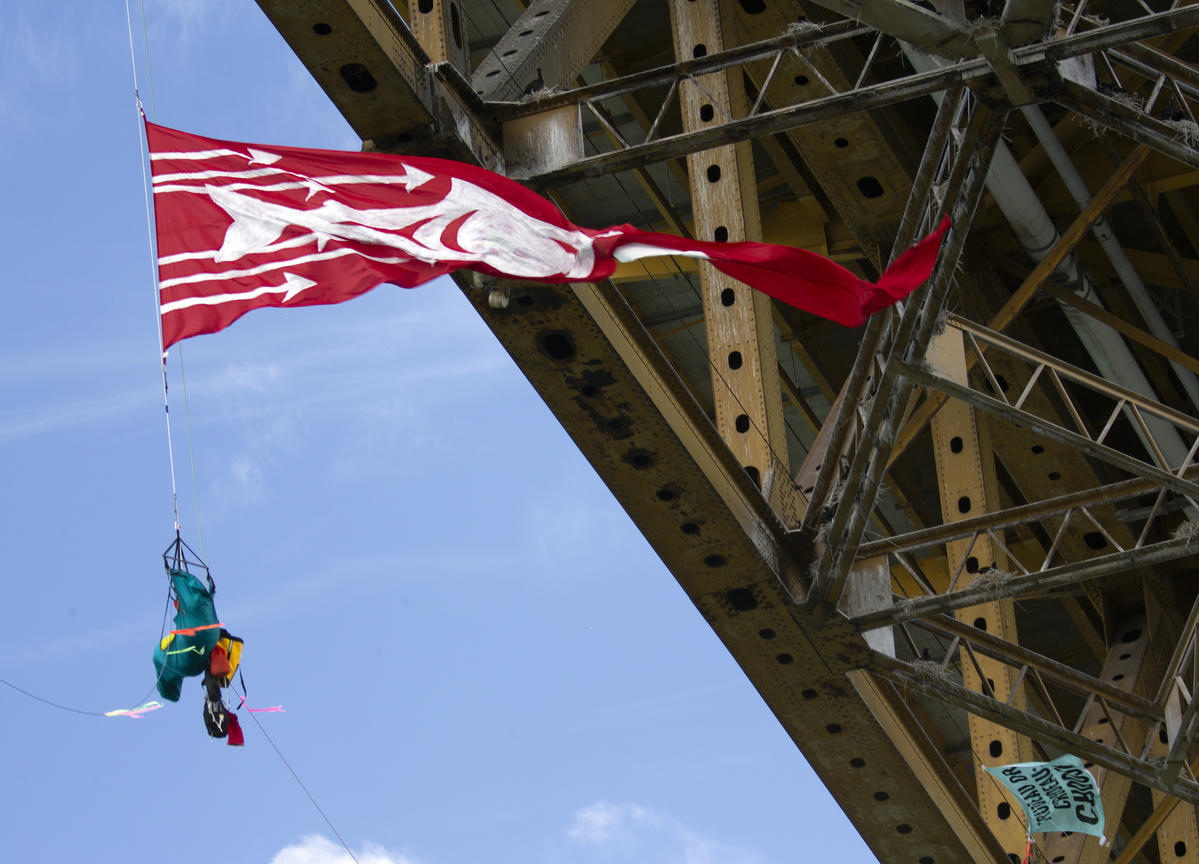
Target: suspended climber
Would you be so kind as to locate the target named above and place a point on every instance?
(199, 644)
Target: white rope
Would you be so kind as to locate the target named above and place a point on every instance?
(142, 147)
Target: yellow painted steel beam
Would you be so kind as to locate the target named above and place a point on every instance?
(440, 28)
(740, 331)
(1178, 831)
(966, 484)
(1126, 666)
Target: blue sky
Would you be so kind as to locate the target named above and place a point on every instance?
(427, 574)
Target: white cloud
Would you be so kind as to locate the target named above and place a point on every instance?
(604, 822)
(629, 832)
(317, 849)
(25, 423)
(34, 54)
(245, 476)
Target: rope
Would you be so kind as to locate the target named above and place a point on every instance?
(300, 783)
(51, 703)
(179, 351)
(142, 148)
(61, 707)
(191, 453)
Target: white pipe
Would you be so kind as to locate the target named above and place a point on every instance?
(1111, 246)
(1036, 232)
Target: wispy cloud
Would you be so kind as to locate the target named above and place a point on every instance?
(39, 420)
(317, 849)
(175, 24)
(32, 58)
(631, 832)
(603, 822)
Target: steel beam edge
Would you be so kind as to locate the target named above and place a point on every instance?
(905, 676)
(645, 435)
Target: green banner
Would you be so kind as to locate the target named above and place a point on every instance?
(1056, 796)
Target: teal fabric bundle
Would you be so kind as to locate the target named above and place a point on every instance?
(181, 655)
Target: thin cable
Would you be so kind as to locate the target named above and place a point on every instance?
(149, 67)
(61, 707)
(283, 759)
(179, 350)
(50, 703)
(191, 453)
(142, 147)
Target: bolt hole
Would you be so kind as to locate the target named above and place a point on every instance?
(358, 78)
(557, 344)
(735, 361)
(741, 599)
(870, 187)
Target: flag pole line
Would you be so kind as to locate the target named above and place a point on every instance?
(141, 155)
(143, 145)
(182, 373)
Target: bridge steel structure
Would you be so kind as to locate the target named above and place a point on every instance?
(962, 535)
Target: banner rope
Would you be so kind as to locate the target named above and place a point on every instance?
(143, 149)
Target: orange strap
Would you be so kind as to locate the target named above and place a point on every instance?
(191, 631)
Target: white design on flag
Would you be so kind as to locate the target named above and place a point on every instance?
(247, 216)
(636, 251)
(292, 285)
(194, 154)
(272, 265)
(261, 157)
(492, 231)
(210, 254)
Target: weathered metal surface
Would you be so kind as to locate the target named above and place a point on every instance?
(1079, 539)
(740, 333)
(547, 47)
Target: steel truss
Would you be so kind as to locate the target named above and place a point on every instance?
(1035, 65)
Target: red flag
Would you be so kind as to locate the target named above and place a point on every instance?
(242, 226)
